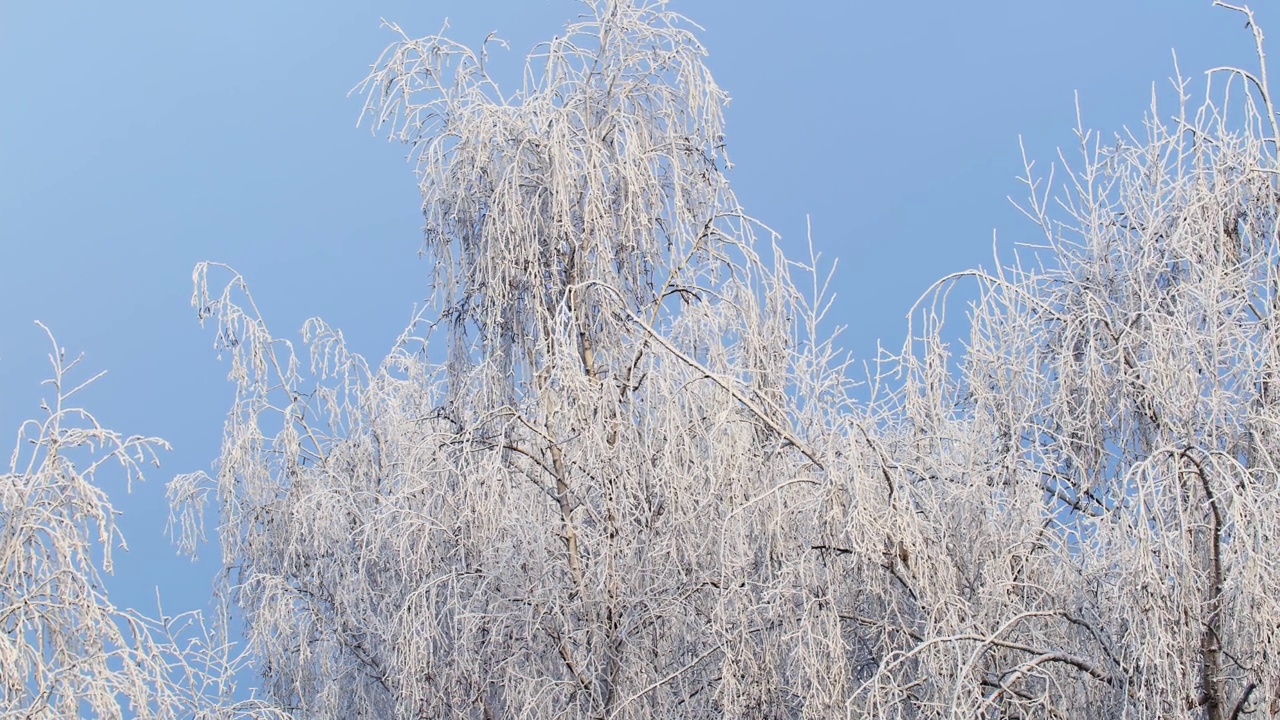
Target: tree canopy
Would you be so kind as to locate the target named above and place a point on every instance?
(617, 467)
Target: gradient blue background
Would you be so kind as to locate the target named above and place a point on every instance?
(138, 138)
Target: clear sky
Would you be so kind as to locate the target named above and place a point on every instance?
(137, 138)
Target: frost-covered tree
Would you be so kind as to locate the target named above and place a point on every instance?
(579, 485)
(65, 649)
(615, 468)
(1098, 485)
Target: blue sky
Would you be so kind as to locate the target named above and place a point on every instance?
(139, 138)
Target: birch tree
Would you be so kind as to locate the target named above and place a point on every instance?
(65, 649)
(573, 487)
(1099, 480)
